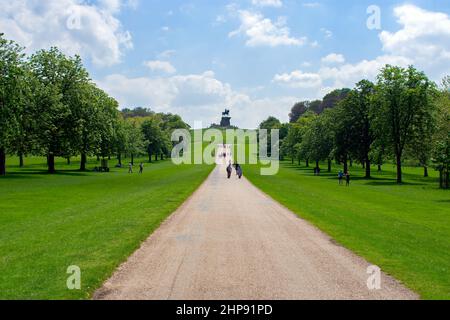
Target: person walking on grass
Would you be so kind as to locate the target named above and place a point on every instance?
(130, 168)
(141, 168)
(347, 179)
(341, 177)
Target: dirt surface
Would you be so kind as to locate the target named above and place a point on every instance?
(231, 241)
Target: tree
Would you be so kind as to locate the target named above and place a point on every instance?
(135, 140)
(405, 102)
(151, 128)
(318, 140)
(299, 109)
(332, 99)
(441, 148)
(358, 109)
(58, 80)
(11, 84)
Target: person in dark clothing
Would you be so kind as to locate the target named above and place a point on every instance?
(347, 178)
(229, 170)
(341, 177)
(239, 171)
(141, 168)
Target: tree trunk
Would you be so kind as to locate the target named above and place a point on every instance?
(425, 172)
(98, 158)
(149, 157)
(329, 165)
(292, 160)
(317, 164)
(83, 162)
(68, 161)
(21, 163)
(399, 169)
(156, 157)
(132, 159)
(307, 163)
(119, 158)
(51, 163)
(2, 162)
(379, 168)
(351, 163)
(368, 170)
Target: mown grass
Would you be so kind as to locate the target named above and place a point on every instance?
(404, 229)
(91, 220)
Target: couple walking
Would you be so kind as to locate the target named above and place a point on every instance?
(238, 169)
(343, 175)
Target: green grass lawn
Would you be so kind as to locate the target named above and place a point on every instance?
(91, 220)
(403, 229)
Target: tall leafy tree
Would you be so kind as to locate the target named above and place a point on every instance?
(56, 96)
(299, 109)
(405, 98)
(151, 128)
(358, 109)
(11, 86)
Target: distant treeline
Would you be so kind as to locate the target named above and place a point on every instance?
(50, 107)
(402, 115)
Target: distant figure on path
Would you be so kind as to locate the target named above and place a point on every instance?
(130, 168)
(341, 177)
(141, 168)
(347, 178)
(239, 171)
(229, 170)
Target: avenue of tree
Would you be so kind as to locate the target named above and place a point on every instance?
(402, 116)
(49, 107)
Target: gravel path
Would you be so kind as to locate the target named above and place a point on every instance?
(231, 241)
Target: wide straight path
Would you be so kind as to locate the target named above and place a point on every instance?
(231, 241)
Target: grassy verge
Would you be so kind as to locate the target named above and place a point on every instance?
(91, 220)
(403, 229)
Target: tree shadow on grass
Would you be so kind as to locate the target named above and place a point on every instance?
(34, 173)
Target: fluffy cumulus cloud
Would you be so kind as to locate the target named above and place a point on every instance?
(196, 97)
(299, 79)
(333, 58)
(423, 40)
(262, 31)
(268, 3)
(157, 65)
(75, 26)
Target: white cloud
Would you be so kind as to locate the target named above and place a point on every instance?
(76, 27)
(166, 54)
(422, 41)
(333, 58)
(157, 65)
(328, 33)
(423, 38)
(196, 97)
(267, 3)
(299, 79)
(261, 31)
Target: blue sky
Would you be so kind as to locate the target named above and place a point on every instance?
(257, 57)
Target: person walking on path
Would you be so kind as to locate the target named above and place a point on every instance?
(239, 171)
(141, 168)
(229, 171)
(130, 168)
(341, 177)
(347, 178)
